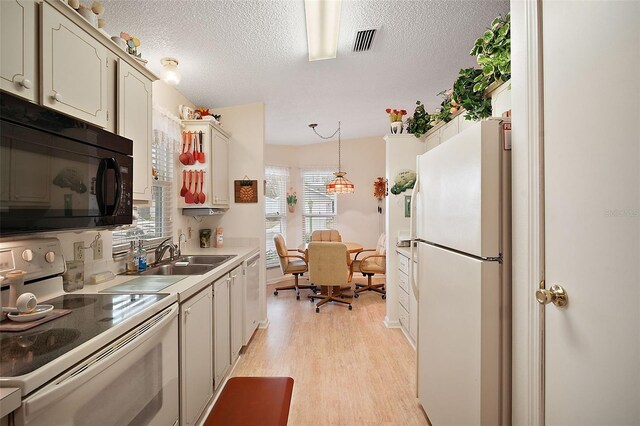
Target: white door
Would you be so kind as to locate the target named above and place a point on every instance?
(592, 174)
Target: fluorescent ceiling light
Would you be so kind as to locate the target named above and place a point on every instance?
(323, 26)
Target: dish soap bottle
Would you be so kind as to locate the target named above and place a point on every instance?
(132, 259)
(142, 257)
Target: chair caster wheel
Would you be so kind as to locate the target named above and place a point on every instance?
(275, 293)
(317, 310)
(311, 299)
(298, 297)
(350, 307)
(384, 296)
(356, 295)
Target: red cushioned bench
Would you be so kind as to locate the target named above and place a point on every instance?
(246, 401)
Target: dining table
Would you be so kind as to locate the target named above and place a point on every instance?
(351, 247)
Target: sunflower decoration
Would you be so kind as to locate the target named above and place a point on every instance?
(132, 44)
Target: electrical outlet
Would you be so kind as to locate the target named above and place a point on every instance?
(78, 250)
(97, 249)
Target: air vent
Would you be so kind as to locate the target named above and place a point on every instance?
(364, 40)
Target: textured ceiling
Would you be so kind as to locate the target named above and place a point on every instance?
(245, 51)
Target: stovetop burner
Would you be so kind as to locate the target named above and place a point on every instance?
(91, 315)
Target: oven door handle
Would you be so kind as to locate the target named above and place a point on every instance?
(101, 191)
(99, 362)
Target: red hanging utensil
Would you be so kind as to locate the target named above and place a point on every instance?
(184, 158)
(196, 194)
(184, 189)
(203, 197)
(201, 153)
(188, 197)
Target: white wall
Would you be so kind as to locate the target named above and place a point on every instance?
(246, 158)
(363, 160)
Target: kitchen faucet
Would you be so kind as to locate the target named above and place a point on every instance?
(162, 249)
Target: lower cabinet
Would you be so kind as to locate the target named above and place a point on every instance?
(407, 300)
(196, 362)
(236, 312)
(221, 329)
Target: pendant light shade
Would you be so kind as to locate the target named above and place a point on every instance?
(340, 184)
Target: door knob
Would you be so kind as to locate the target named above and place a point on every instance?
(555, 294)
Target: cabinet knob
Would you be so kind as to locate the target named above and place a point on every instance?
(187, 311)
(26, 83)
(56, 97)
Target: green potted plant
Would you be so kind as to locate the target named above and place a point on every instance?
(419, 123)
(477, 106)
(493, 53)
(292, 200)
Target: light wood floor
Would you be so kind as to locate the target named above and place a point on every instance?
(348, 368)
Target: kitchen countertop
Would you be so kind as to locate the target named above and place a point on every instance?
(191, 284)
(10, 400)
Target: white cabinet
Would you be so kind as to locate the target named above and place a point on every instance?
(220, 175)
(236, 313)
(251, 296)
(215, 145)
(134, 122)
(18, 48)
(221, 329)
(74, 69)
(407, 301)
(196, 362)
(432, 141)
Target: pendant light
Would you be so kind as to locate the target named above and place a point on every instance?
(340, 184)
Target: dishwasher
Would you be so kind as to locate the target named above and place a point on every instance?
(251, 270)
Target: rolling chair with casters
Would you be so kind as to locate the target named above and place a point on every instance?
(369, 266)
(294, 264)
(328, 269)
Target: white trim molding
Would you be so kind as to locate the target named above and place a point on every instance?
(528, 217)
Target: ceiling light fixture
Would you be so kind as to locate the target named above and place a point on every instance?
(323, 27)
(170, 73)
(339, 185)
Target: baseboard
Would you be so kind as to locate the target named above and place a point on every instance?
(391, 324)
(263, 324)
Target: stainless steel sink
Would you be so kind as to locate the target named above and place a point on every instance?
(214, 260)
(171, 269)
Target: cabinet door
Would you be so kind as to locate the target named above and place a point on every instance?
(134, 122)
(236, 312)
(220, 173)
(196, 363)
(222, 341)
(432, 141)
(74, 69)
(18, 44)
(449, 130)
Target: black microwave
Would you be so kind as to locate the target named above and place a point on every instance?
(59, 173)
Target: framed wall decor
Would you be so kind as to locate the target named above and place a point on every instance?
(246, 190)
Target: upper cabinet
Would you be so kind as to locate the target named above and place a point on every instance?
(134, 122)
(208, 174)
(74, 69)
(18, 43)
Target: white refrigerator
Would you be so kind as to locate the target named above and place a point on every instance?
(462, 233)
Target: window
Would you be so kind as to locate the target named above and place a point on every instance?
(275, 202)
(153, 223)
(319, 209)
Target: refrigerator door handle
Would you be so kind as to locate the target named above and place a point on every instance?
(412, 234)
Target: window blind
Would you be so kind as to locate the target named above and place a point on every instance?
(275, 209)
(319, 209)
(154, 223)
